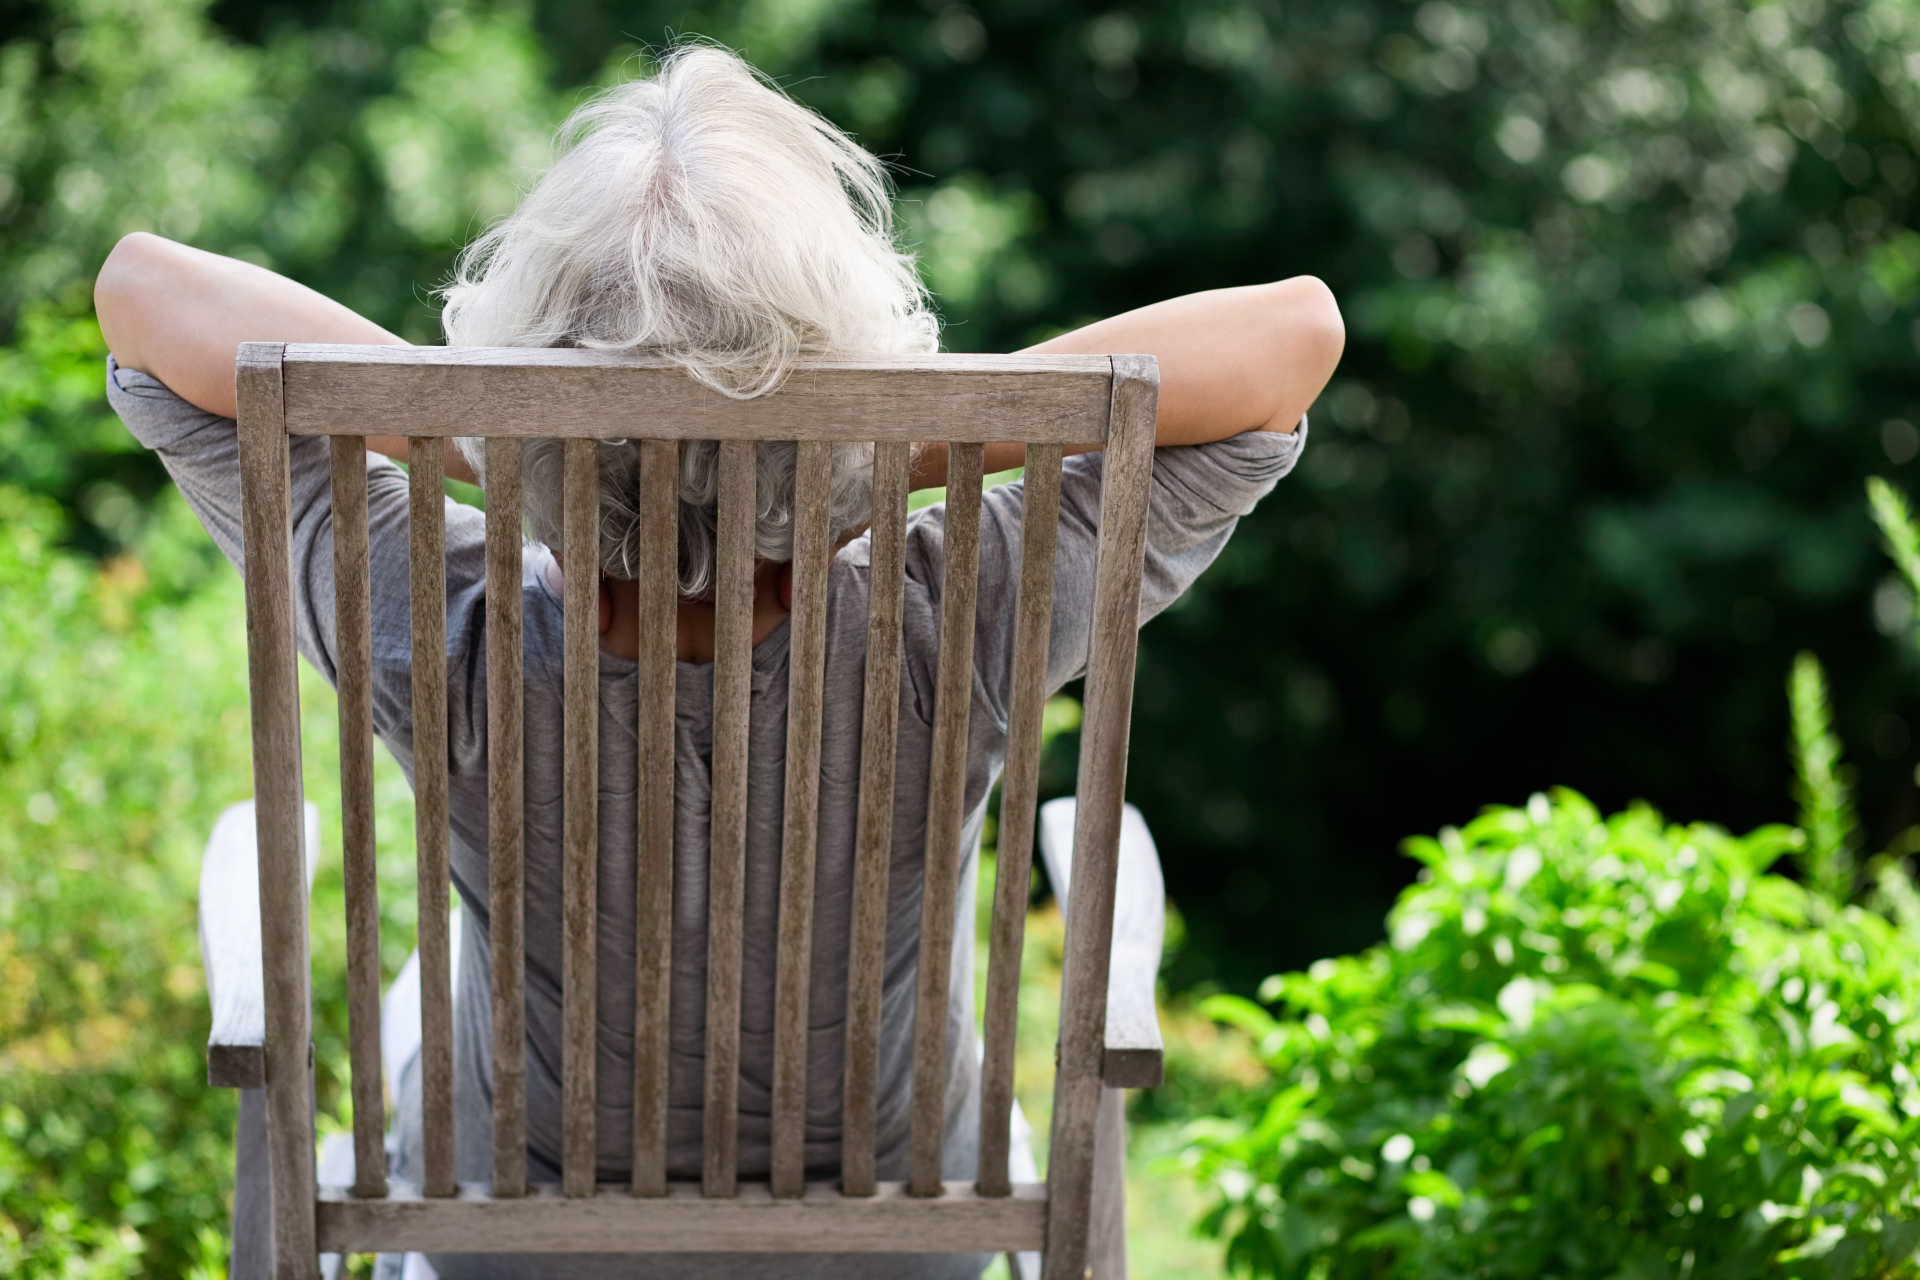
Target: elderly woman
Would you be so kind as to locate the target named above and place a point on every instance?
(703, 216)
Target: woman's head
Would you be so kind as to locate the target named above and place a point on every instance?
(703, 216)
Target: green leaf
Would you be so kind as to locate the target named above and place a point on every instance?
(1898, 1240)
(1890, 512)
(1240, 1012)
(1826, 810)
(1738, 1108)
(1541, 1137)
(1434, 1185)
(1844, 1261)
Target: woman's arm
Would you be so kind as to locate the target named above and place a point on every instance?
(1231, 360)
(180, 315)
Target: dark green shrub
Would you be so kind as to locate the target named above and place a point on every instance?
(1592, 1047)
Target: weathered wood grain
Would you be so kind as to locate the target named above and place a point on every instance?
(353, 672)
(812, 547)
(274, 694)
(506, 816)
(427, 586)
(653, 909)
(756, 1221)
(533, 391)
(1107, 1213)
(580, 826)
(727, 853)
(1127, 472)
(873, 833)
(946, 798)
(1019, 794)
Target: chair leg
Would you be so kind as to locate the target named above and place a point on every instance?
(252, 1257)
(1107, 1234)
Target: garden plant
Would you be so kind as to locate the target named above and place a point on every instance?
(1601, 1046)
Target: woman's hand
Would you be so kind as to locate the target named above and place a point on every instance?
(1231, 360)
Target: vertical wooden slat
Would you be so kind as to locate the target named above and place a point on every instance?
(653, 908)
(806, 668)
(1019, 796)
(873, 840)
(427, 584)
(1128, 468)
(580, 839)
(274, 692)
(353, 669)
(727, 857)
(946, 798)
(506, 814)
(726, 874)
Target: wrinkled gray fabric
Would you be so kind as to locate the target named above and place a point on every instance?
(1197, 496)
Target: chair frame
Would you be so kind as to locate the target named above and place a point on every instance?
(1108, 1038)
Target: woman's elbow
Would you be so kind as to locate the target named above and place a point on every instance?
(119, 293)
(1307, 344)
(1323, 333)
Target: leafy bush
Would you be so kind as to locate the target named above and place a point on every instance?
(123, 733)
(1591, 1047)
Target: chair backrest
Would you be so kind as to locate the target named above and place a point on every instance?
(508, 396)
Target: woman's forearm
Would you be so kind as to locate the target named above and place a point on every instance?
(1231, 360)
(180, 315)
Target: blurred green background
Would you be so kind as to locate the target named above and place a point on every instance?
(1630, 291)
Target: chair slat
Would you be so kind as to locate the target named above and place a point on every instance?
(873, 840)
(575, 391)
(580, 790)
(427, 584)
(946, 797)
(273, 686)
(353, 668)
(1019, 798)
(754, 1222)
(1096, 836)
(653, 908)
(727, 847)
(812, 547)
(506, 817)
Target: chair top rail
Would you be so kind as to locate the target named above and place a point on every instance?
(565, 391)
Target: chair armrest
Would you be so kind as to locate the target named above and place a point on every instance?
(1134, 1057)
(230, 945)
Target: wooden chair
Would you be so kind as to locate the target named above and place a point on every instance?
(1109, 1038)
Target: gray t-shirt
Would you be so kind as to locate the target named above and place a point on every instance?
(1198, 494)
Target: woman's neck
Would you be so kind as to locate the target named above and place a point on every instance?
(620, 613)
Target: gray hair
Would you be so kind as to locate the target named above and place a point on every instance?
(703, 216)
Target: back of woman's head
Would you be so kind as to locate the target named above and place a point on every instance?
(703, 216)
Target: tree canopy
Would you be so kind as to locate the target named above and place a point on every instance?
(1631, 301)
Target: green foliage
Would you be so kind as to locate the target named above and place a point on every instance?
(1630, 291)
(122, 733)
(1826, 811)
(1592, 1047)
(1889, 507)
